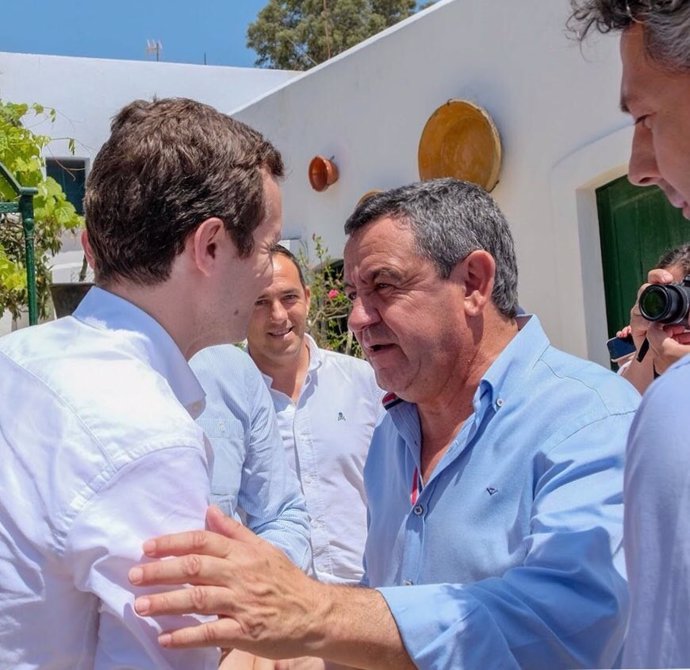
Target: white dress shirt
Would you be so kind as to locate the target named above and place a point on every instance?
(99, 453)
(327, 435)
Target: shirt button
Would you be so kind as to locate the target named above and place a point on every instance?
(499, 402)
(408, 582)
(418, 510)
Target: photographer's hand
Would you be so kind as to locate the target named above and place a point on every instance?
(667, 344)
(640, 373)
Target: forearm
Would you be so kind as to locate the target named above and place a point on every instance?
(639, 373)
(355, 628)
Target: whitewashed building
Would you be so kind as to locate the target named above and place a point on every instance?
(554, 102)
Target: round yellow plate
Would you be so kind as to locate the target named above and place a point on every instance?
(460, 140)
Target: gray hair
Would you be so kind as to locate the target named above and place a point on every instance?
(449, 219)
(666, 25)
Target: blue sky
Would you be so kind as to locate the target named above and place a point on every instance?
(120, 28)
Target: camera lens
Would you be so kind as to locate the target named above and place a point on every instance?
(654, 303)
(665, 303)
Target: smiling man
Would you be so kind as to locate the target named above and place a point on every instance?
(307, 422)
(494, 480)
(655, 91)
(327, 405)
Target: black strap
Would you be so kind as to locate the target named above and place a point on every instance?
(643, 350)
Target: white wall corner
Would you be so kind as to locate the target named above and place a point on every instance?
(579, 275)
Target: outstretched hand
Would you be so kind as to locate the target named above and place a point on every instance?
(266, 605)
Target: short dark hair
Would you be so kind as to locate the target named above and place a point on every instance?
(169, 165)
(666, 25)
(284, 251)
(449, 219)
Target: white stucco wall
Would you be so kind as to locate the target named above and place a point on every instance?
(555, 105)
(549, 99)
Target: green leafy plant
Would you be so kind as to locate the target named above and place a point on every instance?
(327, 319)
(20, 151)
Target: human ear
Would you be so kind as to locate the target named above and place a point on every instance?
(477, 272)
(86, 246)
(204, 244)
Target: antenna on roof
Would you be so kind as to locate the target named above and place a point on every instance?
(154, 47)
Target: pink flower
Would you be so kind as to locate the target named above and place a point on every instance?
(333, 293)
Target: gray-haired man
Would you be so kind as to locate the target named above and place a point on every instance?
(494, 481)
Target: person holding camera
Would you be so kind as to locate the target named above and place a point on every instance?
(655, 91)
(658, 344)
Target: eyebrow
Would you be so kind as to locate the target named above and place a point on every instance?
(377, 273)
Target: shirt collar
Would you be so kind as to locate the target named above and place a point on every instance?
(315, 360)
(315, 357)
(508, 371)
(148, 340)
(504, 375)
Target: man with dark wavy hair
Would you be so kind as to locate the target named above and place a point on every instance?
(98, 443)
(655, 91)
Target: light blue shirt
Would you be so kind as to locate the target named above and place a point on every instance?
(250, 468)
(506, 559)
(99, 452)
(657, 525)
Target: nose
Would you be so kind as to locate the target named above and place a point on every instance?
(362, 315)
(642, 168)
(278, 311)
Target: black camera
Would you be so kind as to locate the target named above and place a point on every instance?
(666, 303)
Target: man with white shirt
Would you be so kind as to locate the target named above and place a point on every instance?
(98, 444)
(327, 405)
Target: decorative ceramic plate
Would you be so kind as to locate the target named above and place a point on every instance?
(460, 140)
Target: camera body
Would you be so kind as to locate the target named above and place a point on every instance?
(666, 303)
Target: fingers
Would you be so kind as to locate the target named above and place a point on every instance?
(189, 569)
(222, 524)
(682, 338)
(190, 542)
(200, 541)
(194, 599)
(221, 633)
(659, 276)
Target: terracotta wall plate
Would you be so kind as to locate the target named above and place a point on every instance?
(460, 140)
(323, 172)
